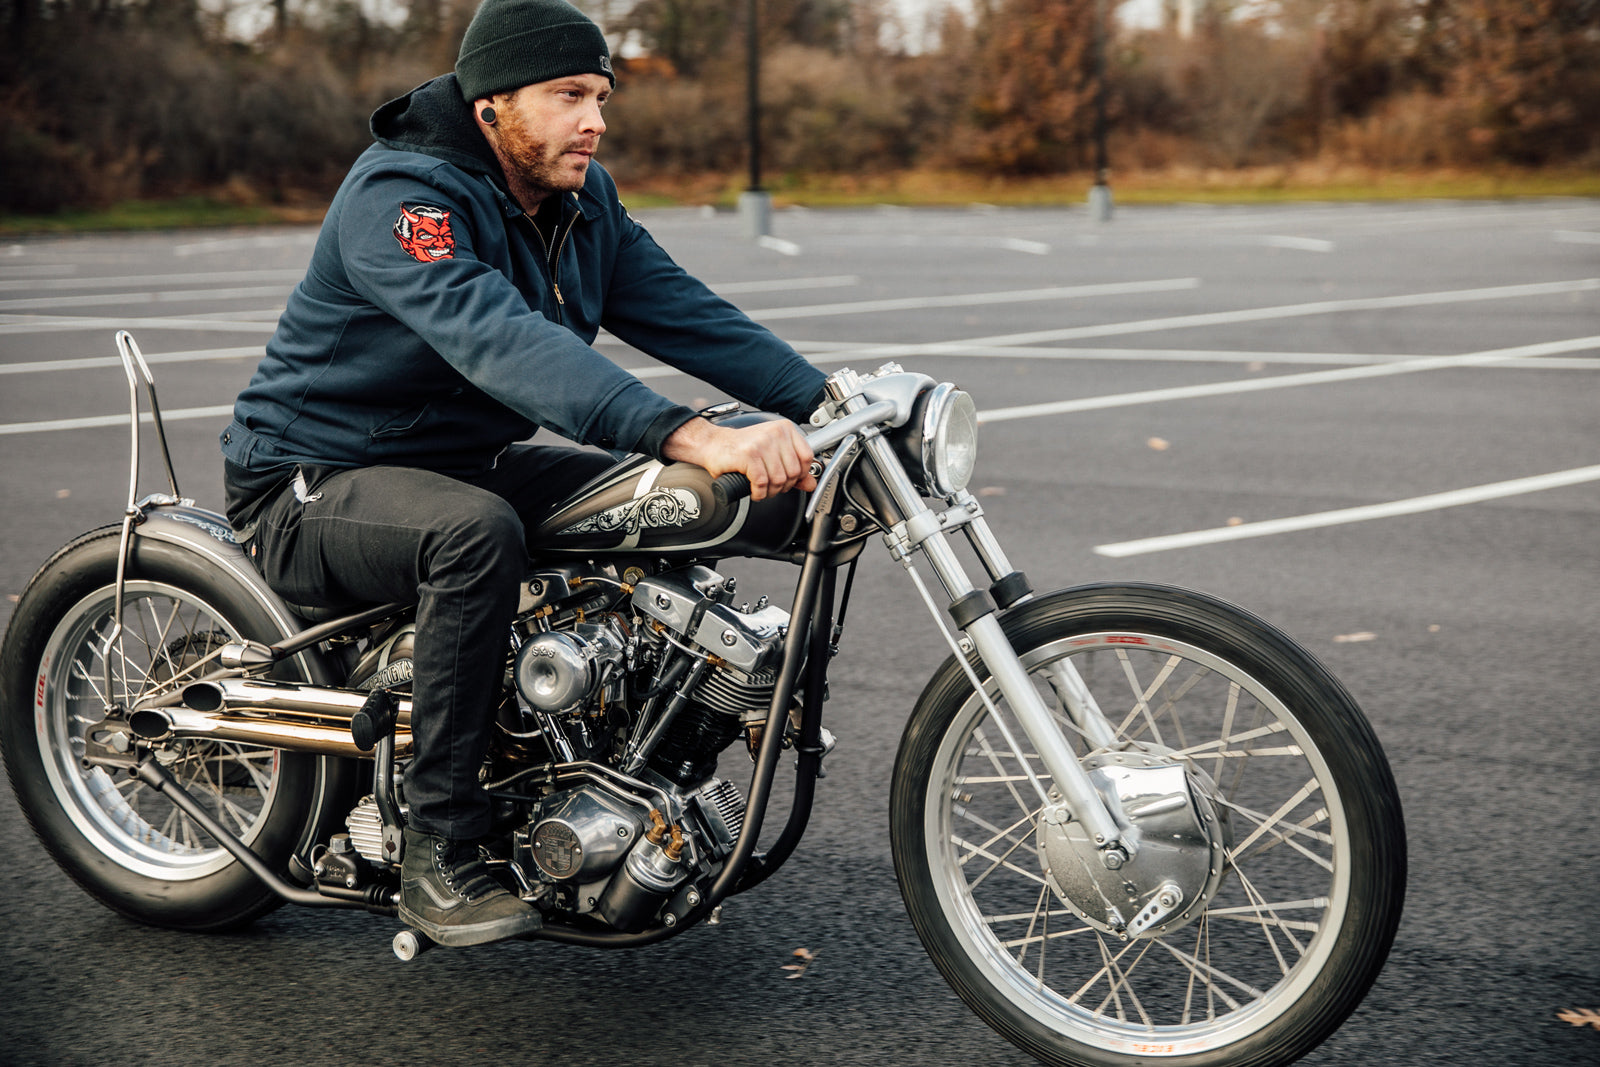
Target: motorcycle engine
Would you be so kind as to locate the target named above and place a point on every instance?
(641, 822)
(606, 851)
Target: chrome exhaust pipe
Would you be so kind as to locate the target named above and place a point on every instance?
(286, 715)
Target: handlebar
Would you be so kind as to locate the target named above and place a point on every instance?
(729, 488)
(732, 487)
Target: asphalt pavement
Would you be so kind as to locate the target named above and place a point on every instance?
(1375, 425)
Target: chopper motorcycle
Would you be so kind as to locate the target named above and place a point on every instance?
(1131, 823)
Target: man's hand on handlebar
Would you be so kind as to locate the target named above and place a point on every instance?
(774, 455)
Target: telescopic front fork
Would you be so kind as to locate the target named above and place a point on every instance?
(925, 529)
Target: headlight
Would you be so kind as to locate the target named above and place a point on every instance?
(949, 439)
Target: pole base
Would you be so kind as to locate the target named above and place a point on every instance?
(755, 211)
(1100, 202)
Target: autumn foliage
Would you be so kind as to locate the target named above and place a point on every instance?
(123, 98)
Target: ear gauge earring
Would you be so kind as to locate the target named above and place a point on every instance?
(487, 115)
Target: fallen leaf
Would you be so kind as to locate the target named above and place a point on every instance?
(992, 490)
(1360, 635)
(1235, 520)
(804, 954)
(1434, 628)
(1159, 444)
(62, 494)
(1580, 1017)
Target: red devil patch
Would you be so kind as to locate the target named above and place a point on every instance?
(424, 232)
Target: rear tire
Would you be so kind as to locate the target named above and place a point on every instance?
(1287, 941)
(125, 844)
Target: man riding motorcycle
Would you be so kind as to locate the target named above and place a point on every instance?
(464, 269)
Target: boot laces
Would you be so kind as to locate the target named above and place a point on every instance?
(464, 872)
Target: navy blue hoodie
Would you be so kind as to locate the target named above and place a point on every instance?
(432, 331)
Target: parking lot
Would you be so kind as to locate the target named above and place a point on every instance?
(1377, 426)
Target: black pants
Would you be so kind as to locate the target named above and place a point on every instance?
(457, 549)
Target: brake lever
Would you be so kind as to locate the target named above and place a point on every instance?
(836, 462)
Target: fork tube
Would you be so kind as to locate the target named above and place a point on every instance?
(987, 547)
(1078, 793)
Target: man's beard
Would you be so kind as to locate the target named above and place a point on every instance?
(540, 163)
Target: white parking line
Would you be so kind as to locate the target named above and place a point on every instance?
(1287, 381)
(824, 351)
(100, 362)
(1432, 502)
(13, 324)
(1281, 311)
(783, 285)
(1005, 296)
(90, 422)
(175, 296)
(288, 277)
(1302, 244)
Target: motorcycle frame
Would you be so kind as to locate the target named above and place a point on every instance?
(909, 526)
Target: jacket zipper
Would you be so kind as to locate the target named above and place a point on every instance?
(553, 263)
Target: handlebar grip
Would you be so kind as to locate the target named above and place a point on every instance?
(730, 488)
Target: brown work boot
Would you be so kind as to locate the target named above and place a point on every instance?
(447, 892)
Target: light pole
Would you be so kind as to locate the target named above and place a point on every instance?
(1100, 191)
(755, 206)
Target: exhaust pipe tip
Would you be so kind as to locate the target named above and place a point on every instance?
(150, 725)
(203, 696)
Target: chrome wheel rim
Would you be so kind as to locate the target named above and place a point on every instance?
(165, 631)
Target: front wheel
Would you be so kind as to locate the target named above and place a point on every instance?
(1268, 865)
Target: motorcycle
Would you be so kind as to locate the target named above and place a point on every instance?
(1131, 823)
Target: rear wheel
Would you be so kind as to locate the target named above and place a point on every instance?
(1270, 866)
(125, 843)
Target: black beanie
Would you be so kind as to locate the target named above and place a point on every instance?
(512, 43)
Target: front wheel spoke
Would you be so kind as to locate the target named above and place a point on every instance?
(987, 750)
(1287, 835)
(1016, 844)
(1121, 980)
(1275, 920)
(1205, 972)
(1169, 707)
(1029, 875)
(1028, 916)
(1265, 826)
(1040, 904)
(1200, 934)
(1055, 935)
(1267, 925)
(1105, 961)
(1006, 834)
(1141, 707)
(1107, 971)
(1211, 748)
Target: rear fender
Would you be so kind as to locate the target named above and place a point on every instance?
(208, 534)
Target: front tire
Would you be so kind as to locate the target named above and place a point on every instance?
(1296, 923)
(125, 844)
